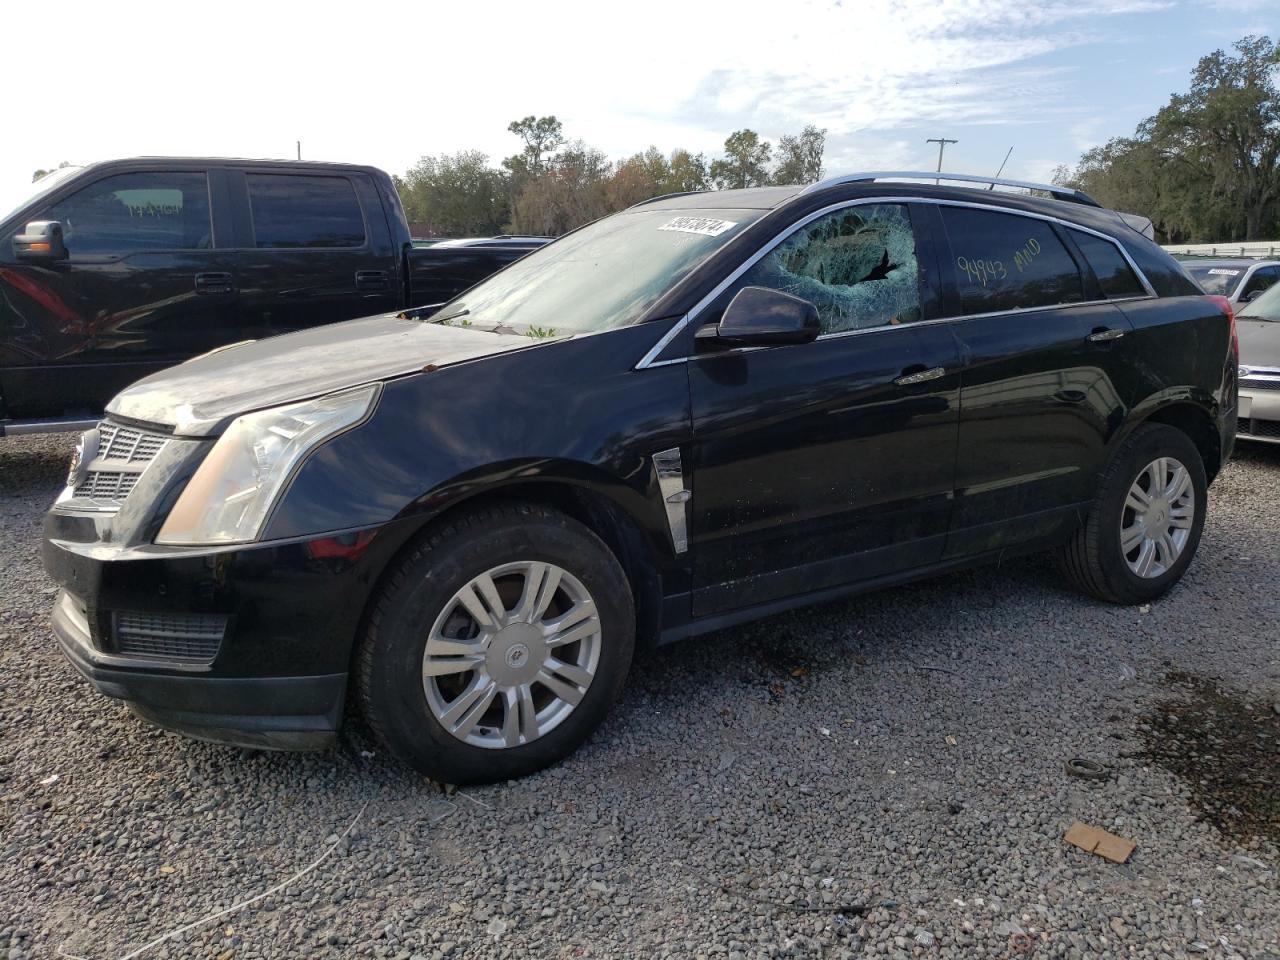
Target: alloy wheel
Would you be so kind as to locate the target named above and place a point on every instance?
(1156, 521)
(511, 654)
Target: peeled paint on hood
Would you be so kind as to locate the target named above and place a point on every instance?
(857, 266)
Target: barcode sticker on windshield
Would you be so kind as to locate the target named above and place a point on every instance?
(702, 225)
(1224, 273)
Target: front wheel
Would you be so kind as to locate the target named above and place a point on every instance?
(1145, 525)
(497, 646)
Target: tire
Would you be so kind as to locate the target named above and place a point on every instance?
(407, 692)
(1095, 560)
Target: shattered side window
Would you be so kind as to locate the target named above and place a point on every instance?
(857, 266)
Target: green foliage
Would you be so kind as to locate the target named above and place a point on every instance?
(554, 185)
(1206, 167)
(800, 157)
(745, 163)
(458, 195)
(541, 333)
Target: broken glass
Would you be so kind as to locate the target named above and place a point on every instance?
(857, 265)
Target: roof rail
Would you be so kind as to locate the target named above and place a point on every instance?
(1057, 192)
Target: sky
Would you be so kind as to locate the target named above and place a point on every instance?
(387, 82)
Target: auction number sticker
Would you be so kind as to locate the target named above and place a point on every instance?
(1224, 273)
(702, 225)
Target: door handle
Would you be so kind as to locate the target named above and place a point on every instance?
(210, 283)
(372, 280)
(1103, 334)
(919, 376)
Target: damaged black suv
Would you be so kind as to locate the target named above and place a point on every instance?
(708, 408)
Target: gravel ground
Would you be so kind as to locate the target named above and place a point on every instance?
(881, 776)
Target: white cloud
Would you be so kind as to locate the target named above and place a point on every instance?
(387, 82)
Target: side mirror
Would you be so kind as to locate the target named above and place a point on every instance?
(40, 240)
(758, 316)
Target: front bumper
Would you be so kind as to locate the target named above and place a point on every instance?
(1259, 413)
(280, 713)
(274, 673)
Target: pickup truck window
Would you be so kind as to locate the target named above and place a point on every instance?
(1004, 261)
(133, 212)
(1112, 270)
(604, 276)
(291, 210)
(857, 266)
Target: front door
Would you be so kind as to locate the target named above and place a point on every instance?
(144, 286)
(820, 464)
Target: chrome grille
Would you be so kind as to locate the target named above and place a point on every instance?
(107, 485)
(118, 442)
(1250, 383)
(118, 455)
(189, 637)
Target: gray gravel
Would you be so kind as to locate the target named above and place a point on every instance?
(750, 787)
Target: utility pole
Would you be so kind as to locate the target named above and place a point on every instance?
(942, 145)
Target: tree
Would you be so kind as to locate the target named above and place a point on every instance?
(686, 171)
(571, 192)
(542, 136)
(1228, 127)
(457, 195)
(746, 161)
(1206, 167)
(800, 157)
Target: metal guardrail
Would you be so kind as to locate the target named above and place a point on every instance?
(1263, 248)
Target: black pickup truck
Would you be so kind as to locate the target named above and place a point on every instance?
(113, 271)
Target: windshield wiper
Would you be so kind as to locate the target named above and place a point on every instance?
(449, 316)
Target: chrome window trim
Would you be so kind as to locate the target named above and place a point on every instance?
(650, 358)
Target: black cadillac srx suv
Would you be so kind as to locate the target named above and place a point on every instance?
(705, 409)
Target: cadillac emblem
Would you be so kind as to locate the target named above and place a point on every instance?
(85, 453)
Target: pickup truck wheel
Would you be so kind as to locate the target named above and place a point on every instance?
(497, 646)
(1145, 525)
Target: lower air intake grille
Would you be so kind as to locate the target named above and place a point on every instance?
(191, 638)
(1263, 429)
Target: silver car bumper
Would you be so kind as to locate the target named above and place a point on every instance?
(1259, 412)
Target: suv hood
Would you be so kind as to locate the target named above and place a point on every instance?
(1259, 342)
(200, 397)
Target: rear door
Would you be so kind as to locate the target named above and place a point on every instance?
(820, 464)
(315, 248)
(146, 284)
(1045, 376)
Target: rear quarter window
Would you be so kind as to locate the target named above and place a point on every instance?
(1114, 274)
(1004, 261)
(299, 211)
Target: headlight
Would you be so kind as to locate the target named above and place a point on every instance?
(233, 490)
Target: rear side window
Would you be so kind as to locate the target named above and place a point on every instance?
(1114, 274)
(1008, 262)
(304, 211)
(135, 212)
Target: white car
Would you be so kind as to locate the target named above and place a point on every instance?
(1258, 324)
(1239, 279)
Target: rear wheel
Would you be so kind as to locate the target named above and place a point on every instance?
(1145, 525)
(497, 646)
